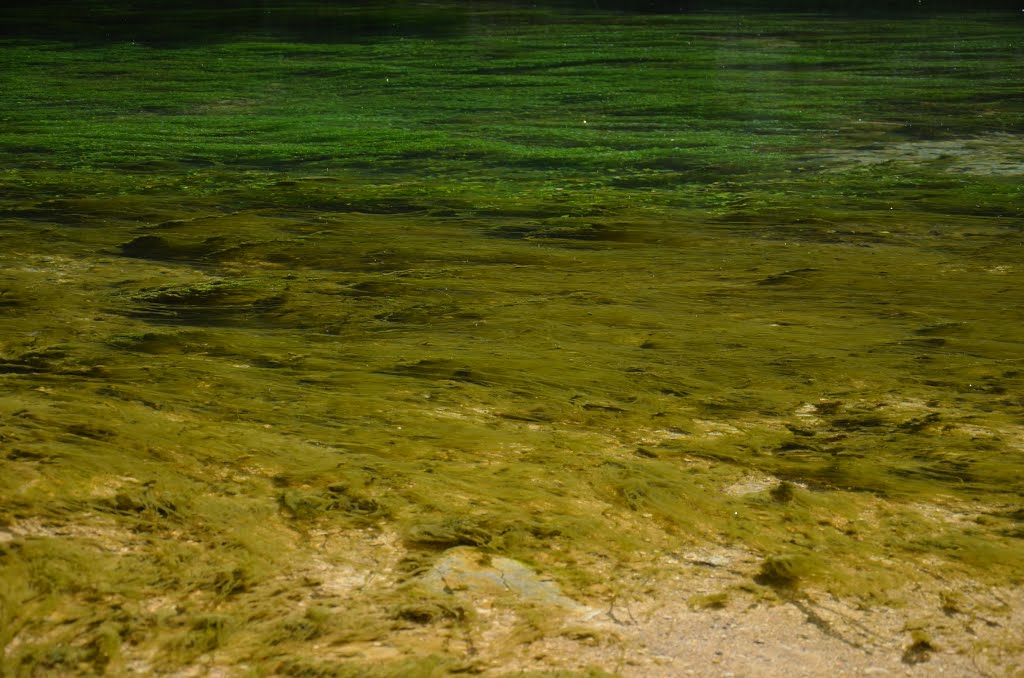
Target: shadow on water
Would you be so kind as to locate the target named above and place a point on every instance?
(166, 23)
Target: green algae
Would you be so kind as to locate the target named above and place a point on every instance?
(546, 286)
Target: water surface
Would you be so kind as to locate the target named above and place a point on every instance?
(535, 281)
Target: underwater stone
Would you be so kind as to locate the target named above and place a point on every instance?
(468, 572)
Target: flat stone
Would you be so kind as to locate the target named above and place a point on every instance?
(466, 571)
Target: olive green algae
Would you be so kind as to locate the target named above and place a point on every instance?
(286, 327)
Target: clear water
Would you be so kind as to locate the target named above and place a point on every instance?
(534, 280)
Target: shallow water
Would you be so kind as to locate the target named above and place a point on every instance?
(516, 279)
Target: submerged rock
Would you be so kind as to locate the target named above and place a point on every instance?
(467, 572)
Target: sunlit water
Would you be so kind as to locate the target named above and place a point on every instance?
(484, 277)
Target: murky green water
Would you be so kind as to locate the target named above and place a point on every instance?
(540, 282)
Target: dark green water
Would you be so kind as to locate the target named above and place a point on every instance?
(527, 279)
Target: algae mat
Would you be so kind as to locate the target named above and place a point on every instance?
(377, 341)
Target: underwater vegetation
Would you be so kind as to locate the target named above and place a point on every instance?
(289, 325)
